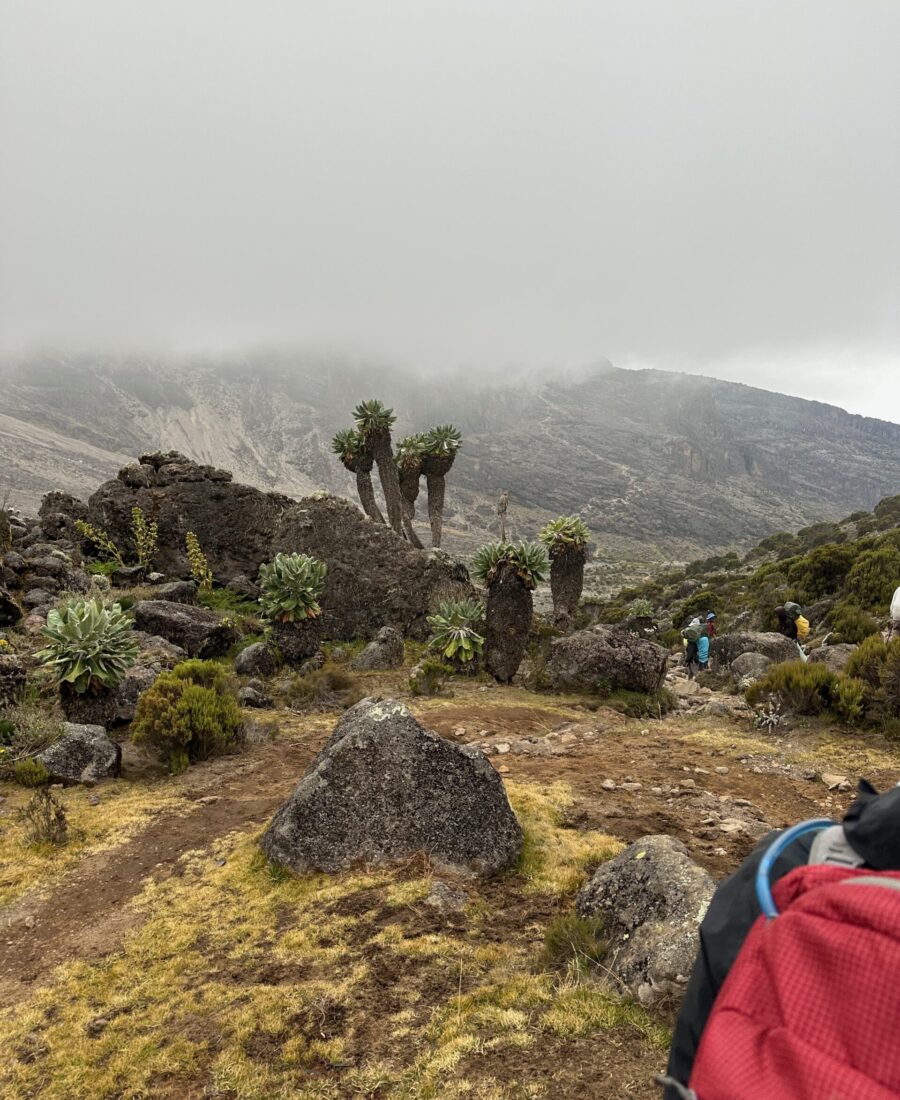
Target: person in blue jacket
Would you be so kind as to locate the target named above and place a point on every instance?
(703, 651)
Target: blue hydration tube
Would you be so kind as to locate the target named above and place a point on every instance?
(787, 838)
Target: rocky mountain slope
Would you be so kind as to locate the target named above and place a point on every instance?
(662, 466)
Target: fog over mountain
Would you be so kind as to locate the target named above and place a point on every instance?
(490, 185)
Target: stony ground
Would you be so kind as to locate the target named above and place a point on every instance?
(158, 955)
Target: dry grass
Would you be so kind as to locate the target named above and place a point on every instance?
(245, 982)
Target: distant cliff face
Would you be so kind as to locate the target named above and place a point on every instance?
(658, 464)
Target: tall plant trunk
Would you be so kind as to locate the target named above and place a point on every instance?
(436, 469)
(390, 479)
(566, 584)
(365, 488)
(297, 641)
(507, 623)
(409, 491)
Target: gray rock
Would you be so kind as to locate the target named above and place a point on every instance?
(749, 666)
(375, 578)
(234, 523)
(10, 612)
(256, 660)
(651, 899)
(178, 592)
(446, 900)
(383, 789)
(245, 588)
(14, 561)
(12, 680)
(84, 754)
(384, 651)
(37, 597)
(156, 652)
(253, 697)
(156, 578)
(127, 576)
(199, 632)
(136, 681)
(57, 515)
(724, 649)
(835, 657)
(578, 661)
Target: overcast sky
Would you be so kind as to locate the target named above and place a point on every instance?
(709, 185)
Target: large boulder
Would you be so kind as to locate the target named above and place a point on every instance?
(134, 683)
(199, 632)
(234, 523)
(384, 651)
(651, 899)
(776, 647)
(749, 666)
(58, 514)
(382, 789)
(579, 661)
(375, 578)
(84, 754)
(835, 657)
(257, 659)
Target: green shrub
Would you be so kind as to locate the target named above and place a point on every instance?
(200, 570)
(637, 704)
(849, 698)
(188, 715)
(429, 677)
(571, 938)
(851, 624)
(641, 608)
(325, 688)
(868, 660)
(873, 578)
(455, 630)
(291, 587)
(146, 538)
(803, 688)
(25, 731)
(29, 772)
(90, 646)
(821, 572)
(101, 542)
(44, 820)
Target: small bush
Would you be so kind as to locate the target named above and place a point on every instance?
(637, 704)
(44, 820)
(803, 688)
(850, 624)
(455, 630)
(25, 731)
(871, 581)
(323, 689)
(867, 662)
(189, 714)
(821, 572)
(641, 608)
(429, 677)
(571, 938)
(29, 772)
(849, 699)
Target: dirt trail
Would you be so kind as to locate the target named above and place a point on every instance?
(87, 914)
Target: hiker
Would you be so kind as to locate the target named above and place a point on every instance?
(703, 650)
(691, 635)
(894, 625)
(786, 624)
(711, 624)
(868, 838)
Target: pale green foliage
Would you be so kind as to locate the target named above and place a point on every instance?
(529, 558)
(372, 416)
(641, 608)
(291, 587)
(90, 646)
(101, 542)
(410, 452)
(455, 630)
(442, 441)
(200, 569)
(347, 444)
(564, 533)
(146, 538)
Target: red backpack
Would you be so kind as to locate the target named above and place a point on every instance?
(811, 1007)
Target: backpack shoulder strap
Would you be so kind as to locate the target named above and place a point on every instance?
(831, 846)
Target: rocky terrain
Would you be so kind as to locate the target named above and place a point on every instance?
(661, 466)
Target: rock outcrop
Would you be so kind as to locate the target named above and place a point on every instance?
(256, 660)
(200, 633)
(616, 658)
(835, 657)
(234, 523)
(382, 789)
(84, 754)
(726, 647)
(651, 899)
(747, 667)
(12, 679)
(384, 651)
(375, 578)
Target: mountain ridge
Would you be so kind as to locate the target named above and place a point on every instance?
(662, 466)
